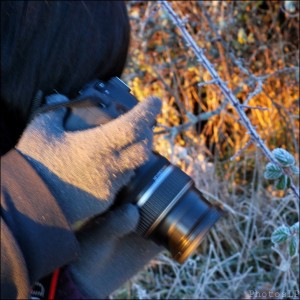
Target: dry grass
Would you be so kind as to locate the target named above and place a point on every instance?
(237, 257)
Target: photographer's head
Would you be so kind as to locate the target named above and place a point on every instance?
(57, 46)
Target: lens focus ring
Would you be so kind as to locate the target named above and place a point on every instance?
(162, 199)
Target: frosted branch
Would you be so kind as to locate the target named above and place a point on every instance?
(222, 85)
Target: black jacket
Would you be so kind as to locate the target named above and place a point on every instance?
(35, 239)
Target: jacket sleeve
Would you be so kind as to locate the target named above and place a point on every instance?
(35, 236)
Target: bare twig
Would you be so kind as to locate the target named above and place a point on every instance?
(200, 84)
(241, 150)
(238, 62)
(225, 90)
(257, 90)
(234, 59)
(201, 117)
(283, 70)
(255, 107)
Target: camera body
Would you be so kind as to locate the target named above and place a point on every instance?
(173, 213)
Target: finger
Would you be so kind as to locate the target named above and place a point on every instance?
(140, 118)
(146, 110)
(128, 128)
(56, 99)
(53, 111)
(135, 155)
(118, 222)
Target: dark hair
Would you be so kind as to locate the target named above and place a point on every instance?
(57, 46)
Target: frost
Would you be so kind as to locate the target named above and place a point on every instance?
(284, 157)
(295, 228)
(272, 171)
(293, 246)
(280, 234)
(295, 170)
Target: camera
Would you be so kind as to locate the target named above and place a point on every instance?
(173, 213)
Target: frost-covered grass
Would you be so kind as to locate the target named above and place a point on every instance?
(237, 258)
(254, 46)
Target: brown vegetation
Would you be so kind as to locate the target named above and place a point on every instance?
(254, 46)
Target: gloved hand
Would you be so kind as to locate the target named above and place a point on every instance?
(111, 253)
(85, 169)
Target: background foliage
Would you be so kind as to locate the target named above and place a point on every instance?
(200, 132)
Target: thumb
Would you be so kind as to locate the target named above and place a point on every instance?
(112, 225)
(46, 125)
(52, 114)
(119, 221)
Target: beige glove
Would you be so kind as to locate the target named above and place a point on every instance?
(85, 169)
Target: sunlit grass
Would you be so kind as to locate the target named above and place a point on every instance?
(237, 257)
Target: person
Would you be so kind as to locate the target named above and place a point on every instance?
(54, 181)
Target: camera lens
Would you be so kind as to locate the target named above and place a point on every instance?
(186, 224)
(173, 212)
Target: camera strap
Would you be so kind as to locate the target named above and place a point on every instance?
(45, 288)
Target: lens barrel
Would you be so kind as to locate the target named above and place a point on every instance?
(173, 213)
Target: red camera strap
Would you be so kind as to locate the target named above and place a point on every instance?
(45, 289)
